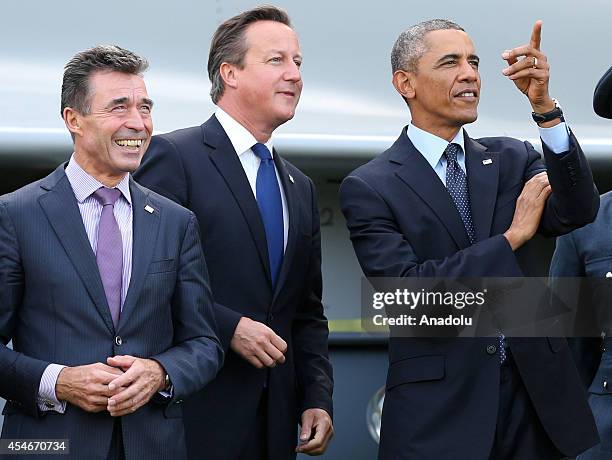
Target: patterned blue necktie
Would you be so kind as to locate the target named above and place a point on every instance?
(456, 183)
(270, 208)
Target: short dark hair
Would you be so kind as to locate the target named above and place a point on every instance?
(75, 84)
(229, 43)
(411, 45)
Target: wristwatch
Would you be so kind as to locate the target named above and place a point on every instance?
(549, 116)
(167, 383)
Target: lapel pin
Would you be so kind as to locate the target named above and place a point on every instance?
(149, 209)
(609, 275)
(488, 161)
(291, 179)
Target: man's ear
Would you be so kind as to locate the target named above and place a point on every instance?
(72, 118)
(228, 74)
(404, 83)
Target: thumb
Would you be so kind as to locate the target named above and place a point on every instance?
(307, 419)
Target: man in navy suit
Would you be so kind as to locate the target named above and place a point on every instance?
(441, 204)
(260, 231)
(587, 252)
(104, 287)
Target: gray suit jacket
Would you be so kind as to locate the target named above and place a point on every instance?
(53, 308)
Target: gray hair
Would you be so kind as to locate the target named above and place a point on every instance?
(229, 43)
(75, 84)
(411, 45)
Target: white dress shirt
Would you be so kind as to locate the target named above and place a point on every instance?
(242, 141)
(432, 147)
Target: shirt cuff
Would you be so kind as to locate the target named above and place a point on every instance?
(556, 138)
(47, 399)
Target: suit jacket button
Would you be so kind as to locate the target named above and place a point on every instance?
(118, 341)
(605, 384)
(491, 349)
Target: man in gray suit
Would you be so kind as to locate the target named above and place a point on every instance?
(104, 289)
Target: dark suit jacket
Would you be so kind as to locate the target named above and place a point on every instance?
(587, 252)
(53, 307)
(442, 394)
(198, 168)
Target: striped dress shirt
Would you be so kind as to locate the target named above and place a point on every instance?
(83, 186)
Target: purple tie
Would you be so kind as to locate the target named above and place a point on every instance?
(109, 253)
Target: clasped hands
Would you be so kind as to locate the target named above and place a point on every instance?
(121, 386)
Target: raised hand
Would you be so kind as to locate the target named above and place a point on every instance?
(528, 68)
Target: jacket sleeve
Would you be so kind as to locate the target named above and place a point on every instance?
(20, 374)
(574, 200)
(310, 332)
(196, 355)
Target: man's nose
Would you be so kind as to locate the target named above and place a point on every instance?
(292, 73)
(469, 72)
(135, 120)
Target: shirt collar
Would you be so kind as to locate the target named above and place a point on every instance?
(83, 184)
(431, 146)
(241, 138)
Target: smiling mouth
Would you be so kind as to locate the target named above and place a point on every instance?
(466, 94)
(129, 143)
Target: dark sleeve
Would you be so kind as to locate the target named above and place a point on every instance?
(383, 250)
(310, 332)
(574, 200)
(20, 374)
(196, 354)
(163, 171)
(567, 262)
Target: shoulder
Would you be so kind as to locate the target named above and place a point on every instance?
(178, 139)
(503, 144)
(599, 228)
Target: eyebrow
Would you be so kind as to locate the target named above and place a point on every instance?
(125, 100)
(471, 57)
(284, 53)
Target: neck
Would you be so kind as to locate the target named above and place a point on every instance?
(447, 133)
(107, 179)
(260, 131)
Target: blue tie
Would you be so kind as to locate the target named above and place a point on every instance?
(456, 183)
(270, 208)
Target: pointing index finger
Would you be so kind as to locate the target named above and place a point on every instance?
(536, 35)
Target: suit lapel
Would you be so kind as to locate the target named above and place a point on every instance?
(144, 241)
(417, 173)
(225, 159)
(61, 208)
(483, 175)
(292, 206)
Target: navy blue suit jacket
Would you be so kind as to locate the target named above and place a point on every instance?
(587, 252)
(442, 394)
(53, 308)
(198, 168)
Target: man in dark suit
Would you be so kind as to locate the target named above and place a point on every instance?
(441, 204)
(587, 252)
(260, 231)
(104, 287)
